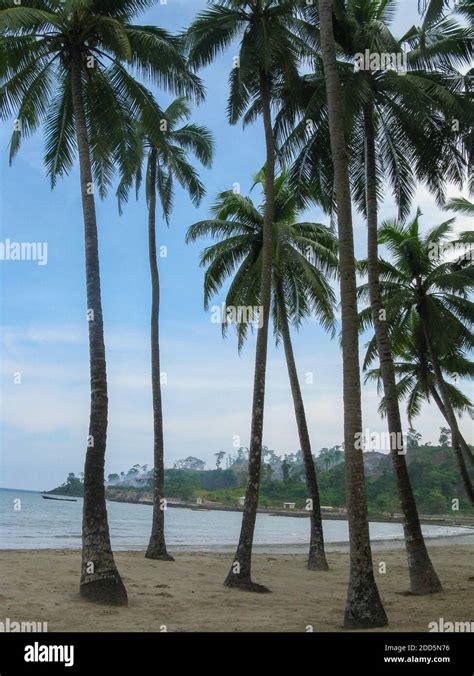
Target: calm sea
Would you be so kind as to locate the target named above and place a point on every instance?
(29, 522)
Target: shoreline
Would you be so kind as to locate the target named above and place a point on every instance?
(335, 547)
(188, 595)
(448, 520)
(128, 496)
(340, 546)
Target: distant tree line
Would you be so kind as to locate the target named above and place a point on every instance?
(436, 483)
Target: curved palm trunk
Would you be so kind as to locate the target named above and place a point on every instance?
(456, 432)
(457, 437)
(157, 545)
(463, 443)
(466, 479)
(240, 572)
(100, 580)
(317, 557)
(364, 607)
(423, 578)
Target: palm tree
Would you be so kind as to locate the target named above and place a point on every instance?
(268, 54)
(304, 254)
(422, 277)
(64, 65)
(364, 607)
(412, 110)
(394, 141)
(423, 577)
(165, 159)
(416, 383)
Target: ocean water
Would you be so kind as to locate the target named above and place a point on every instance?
(29, 522)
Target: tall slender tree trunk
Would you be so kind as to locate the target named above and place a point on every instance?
(317, 557)
(157, 545)
(364, 607)
(448, 411)
(463, 444)
(240, 572)
(100, 579)
(466, 479)
(423, 578)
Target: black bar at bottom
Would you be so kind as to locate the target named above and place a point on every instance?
(220, 654)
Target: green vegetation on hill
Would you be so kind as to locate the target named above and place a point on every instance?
(432, 469)
(72, 487)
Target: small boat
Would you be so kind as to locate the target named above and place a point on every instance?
(49, 497)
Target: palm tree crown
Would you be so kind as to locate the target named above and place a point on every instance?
(168, 148)
(421, 276)
(411, 109)
(40, 43)
(415, 377)
(305, 255)
(269, 48)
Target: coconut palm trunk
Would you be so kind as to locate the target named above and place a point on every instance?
(448, 411)
(463, 444)
(455, 434)
(457, 437)
(157, 545)
(240, 572)
(100, 580)
(466, 479)
(317, 557)
(364, 607)
(423, 578)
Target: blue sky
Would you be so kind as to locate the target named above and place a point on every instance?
(208, 396)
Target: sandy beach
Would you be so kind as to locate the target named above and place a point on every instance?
(188, 595)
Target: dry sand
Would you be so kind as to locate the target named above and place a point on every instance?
(188, 595)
